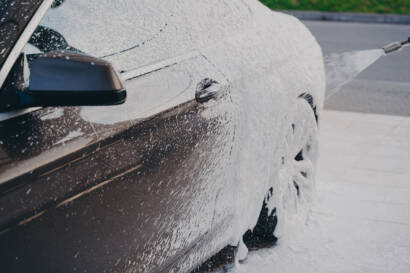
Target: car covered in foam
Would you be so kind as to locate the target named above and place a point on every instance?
(214, 145)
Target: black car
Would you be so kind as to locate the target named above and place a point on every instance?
(146, 136)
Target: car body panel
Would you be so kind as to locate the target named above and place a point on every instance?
(139, 206)
(149, 162)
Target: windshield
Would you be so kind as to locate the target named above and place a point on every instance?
(14, 16)
(18, 21)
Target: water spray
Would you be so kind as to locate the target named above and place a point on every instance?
(345, 67)
(393, 47)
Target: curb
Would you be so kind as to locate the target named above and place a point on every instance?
(351, 17)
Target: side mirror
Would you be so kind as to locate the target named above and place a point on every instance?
(63, 78)
(72, 79)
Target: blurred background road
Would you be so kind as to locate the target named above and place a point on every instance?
(383, 88)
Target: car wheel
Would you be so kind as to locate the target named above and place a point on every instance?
(290, 198)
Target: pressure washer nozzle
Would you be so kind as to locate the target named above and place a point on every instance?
(390, 48)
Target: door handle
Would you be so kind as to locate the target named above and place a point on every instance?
(207, 89)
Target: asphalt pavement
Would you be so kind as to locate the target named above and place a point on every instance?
(383, 88)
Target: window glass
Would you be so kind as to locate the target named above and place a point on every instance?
(134, 33)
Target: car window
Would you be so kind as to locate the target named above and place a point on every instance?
(134, 33)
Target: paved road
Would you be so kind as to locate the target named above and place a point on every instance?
(384, 88)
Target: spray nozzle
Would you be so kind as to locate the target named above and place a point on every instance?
(390, 48)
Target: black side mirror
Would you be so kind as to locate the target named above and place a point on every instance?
(63, 78)
(73, 79)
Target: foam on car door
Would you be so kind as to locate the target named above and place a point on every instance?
(184, 149)
(143, 196)
(158, 87)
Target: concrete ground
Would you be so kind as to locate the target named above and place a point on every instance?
(364, 193)
(360, 221)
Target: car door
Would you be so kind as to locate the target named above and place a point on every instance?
(128, 188)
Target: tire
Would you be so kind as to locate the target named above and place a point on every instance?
(294, 192)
